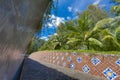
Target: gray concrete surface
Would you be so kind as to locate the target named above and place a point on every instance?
(34, 69)
(19, 19)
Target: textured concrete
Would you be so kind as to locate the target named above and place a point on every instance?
(19, 19)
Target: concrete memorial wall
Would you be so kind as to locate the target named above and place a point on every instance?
(19, 20)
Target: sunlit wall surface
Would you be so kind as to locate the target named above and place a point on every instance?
(18, 21)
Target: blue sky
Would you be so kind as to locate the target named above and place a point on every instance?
(66, 10)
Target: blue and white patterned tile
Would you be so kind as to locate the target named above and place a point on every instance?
(74, 53)
(72, 66)
(86, 68)
(62, 58)
(110, 74)
(79, 59)
(69, 59)
(118, 62)
(64, 64)
(95, 61)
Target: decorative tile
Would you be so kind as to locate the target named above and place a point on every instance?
(50, 56)
(79, 59)
(95, 61)
(66, 53)
(86, 68)
(61, 54)
(69, 58)
(58, 62)
(110, 74)
(74, 53)
(44, 57)
(62, 58)
(53, 61)
(50, 61)
(56, 54)
(72, 66)
(64, 64)
(53, 57)
(118, 62)
(57, 58)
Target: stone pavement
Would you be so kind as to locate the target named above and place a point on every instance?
(34, 69)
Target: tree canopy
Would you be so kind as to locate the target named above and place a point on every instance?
(94, 29)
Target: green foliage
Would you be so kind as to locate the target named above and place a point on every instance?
(74, 34)
(103, 24)
(116, 9)
(110, 43)
(92, 30)
(95, 44)
(85, 51)
(117, 34)
(34, 45)
(106, 30)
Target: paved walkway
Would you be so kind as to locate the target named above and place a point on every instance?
(34, 69)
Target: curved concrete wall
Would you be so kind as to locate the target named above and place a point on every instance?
(18, 21)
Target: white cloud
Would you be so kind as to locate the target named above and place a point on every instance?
(102, 5)
(53, 16)
(55, 34)
(58, 21)
(49, 36)
(44, 38)
(68, 18)
(55, 21)
(76, 17)
(50, 24)
(96, 2)
(70, 9)
(76, 10)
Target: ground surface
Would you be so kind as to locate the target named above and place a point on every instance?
(34, 69)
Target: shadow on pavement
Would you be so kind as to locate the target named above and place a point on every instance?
(34, 70)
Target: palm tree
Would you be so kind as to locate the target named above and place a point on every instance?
(107, 31)
(84, 24)
(116, 9)
(91, 31)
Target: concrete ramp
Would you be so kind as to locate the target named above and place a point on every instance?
(35, 69)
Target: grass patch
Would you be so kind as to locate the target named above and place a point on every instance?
(86, 51)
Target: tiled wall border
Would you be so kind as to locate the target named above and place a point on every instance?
(107, 66)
